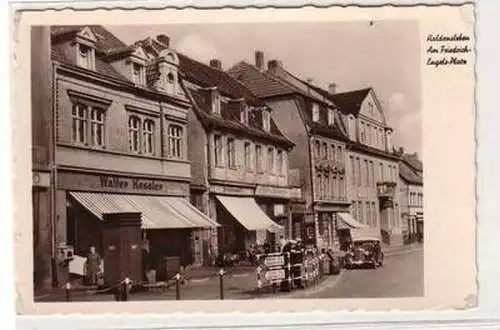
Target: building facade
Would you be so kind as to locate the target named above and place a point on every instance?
(411, 196)
(120, 145)
(312, 122)
(240, 159)
(351, 174)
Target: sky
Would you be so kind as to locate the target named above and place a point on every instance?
(356, 54)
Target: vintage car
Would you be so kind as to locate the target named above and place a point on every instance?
(364, 251)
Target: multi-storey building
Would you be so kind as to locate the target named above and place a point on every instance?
(372, 163)
(240, 157)
(411, 196)
(312, 122)
(352, 168)
(119, 145)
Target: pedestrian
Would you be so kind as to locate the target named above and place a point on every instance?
(281, 243)
(92, 266)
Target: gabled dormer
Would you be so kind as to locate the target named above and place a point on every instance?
(137, 64)
(84, 45)
(266, 119)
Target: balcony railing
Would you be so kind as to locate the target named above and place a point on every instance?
(332, 166)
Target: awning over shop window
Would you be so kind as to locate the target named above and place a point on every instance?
(347, 221)
(247, 212)
(158, 212)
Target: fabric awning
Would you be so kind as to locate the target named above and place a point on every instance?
(348, 220)
(247, 212)
(158, 212)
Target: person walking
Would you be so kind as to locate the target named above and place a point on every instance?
(92, 266)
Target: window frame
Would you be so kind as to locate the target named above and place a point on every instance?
(176, 140)
(315, 112)
(331, 117)
(218, 150)
(134, 132)
(231, 152)
(148, 133)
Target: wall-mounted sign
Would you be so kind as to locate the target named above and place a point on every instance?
(109, 181)
(41, 179)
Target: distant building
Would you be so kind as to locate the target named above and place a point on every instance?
(350, 171)
(239, 158)
(119, 143)
(411, 196)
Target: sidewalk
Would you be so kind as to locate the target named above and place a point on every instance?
(388, 250)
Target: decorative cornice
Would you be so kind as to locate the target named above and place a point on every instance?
(133, 108)
(88, 97)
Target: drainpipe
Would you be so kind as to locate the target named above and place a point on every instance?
(311, 162)
(53, 175)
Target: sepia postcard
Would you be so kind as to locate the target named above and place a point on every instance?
(248, 160)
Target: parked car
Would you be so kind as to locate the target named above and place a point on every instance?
(364, 251)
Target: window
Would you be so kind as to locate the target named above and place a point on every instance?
(280, 162)
(317, 149)
(270, 160)
(367, 173)
(372, 171)
(325, 150)
(333, 153)
(361, 212)
(175, 137)
(266, 120)
(340, 155)
(148, 131)
(138, 74)
(368, 213)
(326, 187)
(358, 171)
(231, 157)
(333, 187)
(218, 150)
(133, 133)
(258, 158)
(319, 194)
(353, 170)
(79, 116)
(97, 127)
(370, 108)
(374, 214)
(368, 133)
(331, 117)
(85, 57)
(244, 115)
(216, 102)
(381, 174)
(315, 112)
(248, 155)
(362, 132)
(342, 195)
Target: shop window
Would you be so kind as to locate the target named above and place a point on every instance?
(175, 141)
(218, 150)
(134, 133)
(148, 136)
(231, 157)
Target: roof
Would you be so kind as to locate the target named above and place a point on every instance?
(259, 82)
(413, 161)
(106, 43)
(207, 76)
(409, 175)
(348, 102)
(229, 120)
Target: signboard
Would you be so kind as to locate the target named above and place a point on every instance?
(274, 267)
(274, 261)
(275, 274)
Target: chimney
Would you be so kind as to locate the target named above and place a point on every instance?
(163, 39)
(332, 88)
(215, 63)
(273, 65)
(310, 81)
(259, 60)
(401, 150)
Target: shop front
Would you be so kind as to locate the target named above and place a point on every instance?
(327, 215)
(170, 224)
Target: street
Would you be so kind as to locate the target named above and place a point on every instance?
(401, 276)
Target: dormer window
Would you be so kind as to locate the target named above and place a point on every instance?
(139, 74)
(331, 117)
(216, 103)
(244, 115)
(266, 120)
(85, 56)
(315, 112)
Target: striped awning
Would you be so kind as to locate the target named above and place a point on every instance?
(158, 212)
(247, 212)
